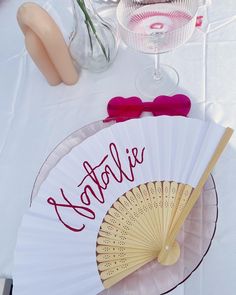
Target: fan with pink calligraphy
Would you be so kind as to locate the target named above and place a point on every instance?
(114, 203)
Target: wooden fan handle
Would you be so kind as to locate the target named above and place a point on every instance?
(173, 255)
(195, 195)
(186, 193)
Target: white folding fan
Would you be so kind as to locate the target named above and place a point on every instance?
(119, 200)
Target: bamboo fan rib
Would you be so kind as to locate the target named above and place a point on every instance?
(136, 227)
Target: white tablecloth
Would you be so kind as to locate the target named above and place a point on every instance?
(35, 117)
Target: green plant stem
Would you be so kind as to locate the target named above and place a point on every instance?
(89, 24)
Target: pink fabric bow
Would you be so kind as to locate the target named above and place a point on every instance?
(121, 109)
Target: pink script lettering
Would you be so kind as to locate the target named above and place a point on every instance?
(95, 183)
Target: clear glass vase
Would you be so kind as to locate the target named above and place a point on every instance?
(93, 42)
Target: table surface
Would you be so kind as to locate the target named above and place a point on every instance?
(35, 117)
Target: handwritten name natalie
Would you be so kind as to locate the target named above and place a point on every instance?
(95, 183)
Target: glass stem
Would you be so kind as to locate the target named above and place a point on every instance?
(75, 24)
(157, 69)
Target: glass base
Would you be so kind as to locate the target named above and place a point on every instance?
(151, 88)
